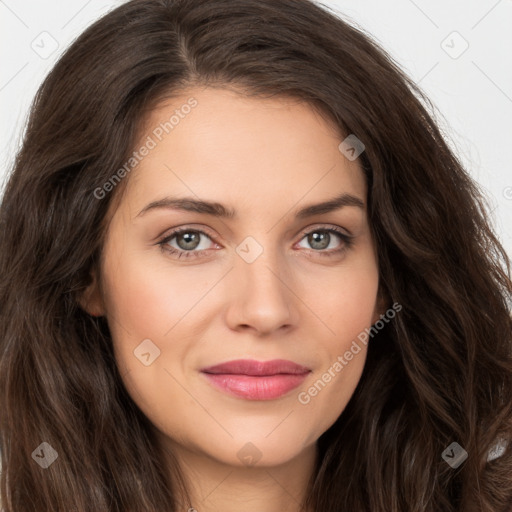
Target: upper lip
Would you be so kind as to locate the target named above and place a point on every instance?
(257, 368)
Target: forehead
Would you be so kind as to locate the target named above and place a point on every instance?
(241, 150)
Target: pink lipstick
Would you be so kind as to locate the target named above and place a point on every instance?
(256, 380)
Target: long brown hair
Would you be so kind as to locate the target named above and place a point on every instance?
(439, 373)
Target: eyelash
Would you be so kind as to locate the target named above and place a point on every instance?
(346, 239)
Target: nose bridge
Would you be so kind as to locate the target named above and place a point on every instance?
(260, 264)
(262, 297)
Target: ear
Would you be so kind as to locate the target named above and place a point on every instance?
(91, 299)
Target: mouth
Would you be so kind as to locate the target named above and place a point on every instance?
(256, 380)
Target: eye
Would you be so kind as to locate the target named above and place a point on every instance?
(321, 238)
(186, 242)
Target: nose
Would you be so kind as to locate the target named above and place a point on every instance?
(261, 297)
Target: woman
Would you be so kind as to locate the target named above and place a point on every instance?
(242, 270)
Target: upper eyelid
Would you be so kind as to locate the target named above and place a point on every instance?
(178, 229)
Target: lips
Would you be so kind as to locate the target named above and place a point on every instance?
(257, 368)
(256, 380)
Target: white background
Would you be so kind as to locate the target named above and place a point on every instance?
(473, 92)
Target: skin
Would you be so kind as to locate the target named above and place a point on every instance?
(265, 158)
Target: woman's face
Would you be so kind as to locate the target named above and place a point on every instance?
(267, 283)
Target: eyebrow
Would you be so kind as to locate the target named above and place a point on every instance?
(215, 209)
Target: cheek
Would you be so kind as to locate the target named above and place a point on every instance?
(322, 402)
(347, 309)
(328, 392)
(345, 302)
(138, 309)
(145, 299)
(144, 302)
(356, 303)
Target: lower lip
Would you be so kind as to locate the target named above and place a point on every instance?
(256, 388)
